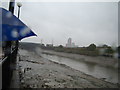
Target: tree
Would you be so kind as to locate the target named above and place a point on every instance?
(105, 46)
(119, 49)
(60, 46)
(43, 44)
(92, 47)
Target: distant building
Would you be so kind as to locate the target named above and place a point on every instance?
(73, 45)
(70, 43)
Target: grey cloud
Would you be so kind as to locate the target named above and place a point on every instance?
(85, 23)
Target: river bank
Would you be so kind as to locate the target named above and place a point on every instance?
(38, 72)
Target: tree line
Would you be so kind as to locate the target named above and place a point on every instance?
(91, 50)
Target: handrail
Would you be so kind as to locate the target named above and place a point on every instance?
(7, 70)
(2, 60)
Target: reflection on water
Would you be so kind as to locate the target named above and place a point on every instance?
(90, 66)
(109, 74)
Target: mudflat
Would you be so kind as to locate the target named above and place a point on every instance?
(38, 72)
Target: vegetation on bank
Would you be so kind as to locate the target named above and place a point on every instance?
(91, 50)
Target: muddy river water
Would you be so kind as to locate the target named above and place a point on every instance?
(106, 73)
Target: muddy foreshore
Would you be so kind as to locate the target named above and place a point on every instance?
(38, 72)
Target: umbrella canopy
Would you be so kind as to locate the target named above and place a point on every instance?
(11, 28)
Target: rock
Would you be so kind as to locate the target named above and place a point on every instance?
(28, 68)
(23, 70)
(22, 81)
(103, 78)
(28, 77)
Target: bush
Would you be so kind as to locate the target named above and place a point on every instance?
(109, 50)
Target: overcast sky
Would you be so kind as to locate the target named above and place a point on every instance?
(85, 23)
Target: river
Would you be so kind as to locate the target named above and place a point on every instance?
(106, 73)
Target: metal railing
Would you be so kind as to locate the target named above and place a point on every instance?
(7, 68)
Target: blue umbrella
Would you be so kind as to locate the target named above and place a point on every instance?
(11, 28)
